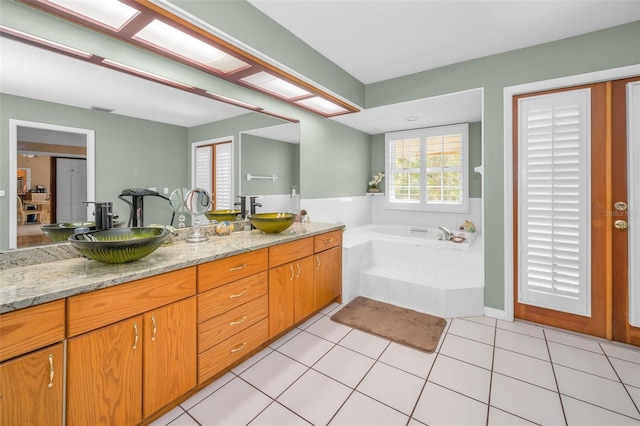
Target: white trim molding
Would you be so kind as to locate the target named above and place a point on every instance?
(13, 162)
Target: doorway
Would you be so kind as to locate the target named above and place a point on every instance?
(570, 209)
(46, 141)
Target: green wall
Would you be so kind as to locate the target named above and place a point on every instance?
(601, 50)
(265, 157)
(129, 153)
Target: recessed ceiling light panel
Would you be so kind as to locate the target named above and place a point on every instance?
(322, 105)
(143, 73)
(110, 13)
(266, 81)
(167, 37)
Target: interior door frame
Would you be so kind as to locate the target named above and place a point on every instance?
(508, 94)
(90, 137)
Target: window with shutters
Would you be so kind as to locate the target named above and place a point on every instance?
(554, 190)
(426, 169)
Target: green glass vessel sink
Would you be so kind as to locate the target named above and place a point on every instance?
(222, 215)
(119, 245)
(272, 223)
(62, 231)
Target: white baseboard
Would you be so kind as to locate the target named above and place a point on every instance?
(494, 313)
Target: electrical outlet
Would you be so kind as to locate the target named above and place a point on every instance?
(166, 190)
(152, 188)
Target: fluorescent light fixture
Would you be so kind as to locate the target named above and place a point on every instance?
(169, 38)
(44, 42)
(110, 13)
(276, 85)
(322, 105)
(232, 101)
(143, 73)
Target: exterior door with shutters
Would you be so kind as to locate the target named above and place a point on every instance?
(570, 259)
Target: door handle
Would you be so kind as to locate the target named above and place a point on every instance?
(621, 224)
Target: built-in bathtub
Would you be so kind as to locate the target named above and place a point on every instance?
(413, 267)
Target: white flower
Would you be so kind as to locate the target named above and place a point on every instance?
(377, 178)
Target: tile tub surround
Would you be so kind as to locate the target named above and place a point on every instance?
(436, 280)
(23, 286)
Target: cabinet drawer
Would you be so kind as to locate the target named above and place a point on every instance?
(289, 252)
(102, 307)
(28, 329)
(222, 299)
(223, 271)
(326, 241)
(223, 326)
(231, 350)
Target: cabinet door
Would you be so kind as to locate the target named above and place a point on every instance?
(31, 388)
(104, 381)
(169, 354)
(327, 276)
(281, 298)
(303, 291)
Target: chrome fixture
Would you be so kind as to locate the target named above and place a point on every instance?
(446, 233)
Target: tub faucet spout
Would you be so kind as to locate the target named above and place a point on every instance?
(447, 234)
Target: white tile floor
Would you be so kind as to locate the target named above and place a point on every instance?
(485, 372)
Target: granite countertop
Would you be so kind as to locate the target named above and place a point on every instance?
(34, 284)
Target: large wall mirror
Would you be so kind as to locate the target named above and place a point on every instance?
(150, 150)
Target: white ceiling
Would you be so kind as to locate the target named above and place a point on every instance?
(375, 40)
(371, 39)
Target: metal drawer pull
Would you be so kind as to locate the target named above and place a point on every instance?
(135, 341)
(238, 348)
(240, 321)
(291, 266)
(50, 385)
(237, 268)
(317, 262)
(153, 321)
(233, 296)
(299, 271)
(330, 240)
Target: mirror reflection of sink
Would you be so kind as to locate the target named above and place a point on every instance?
(62, 231)
(119, 245)
(271, 223)
(222, 215)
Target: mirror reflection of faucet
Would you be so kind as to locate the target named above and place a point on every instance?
(104, 214)
(243, 205)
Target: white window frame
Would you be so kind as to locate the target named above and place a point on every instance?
(423, 134)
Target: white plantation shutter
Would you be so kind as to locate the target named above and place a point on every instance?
(554, 194)
(224, 184)
(204, 156)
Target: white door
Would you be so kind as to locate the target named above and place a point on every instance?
(71, 190)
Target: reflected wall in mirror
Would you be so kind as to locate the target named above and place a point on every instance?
(270, 167)
(141, 143)
(60, 164)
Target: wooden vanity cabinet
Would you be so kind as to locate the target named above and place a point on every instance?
(31, 377)
(233, 306)
(31, 388)
(327, 274)
(140, 353)
(291, 292)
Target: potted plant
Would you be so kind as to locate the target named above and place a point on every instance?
(374, 184)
